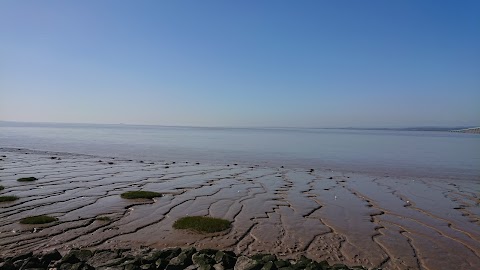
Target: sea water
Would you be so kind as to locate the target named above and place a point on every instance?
(426, 153)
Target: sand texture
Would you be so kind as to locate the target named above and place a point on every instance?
(355, 219)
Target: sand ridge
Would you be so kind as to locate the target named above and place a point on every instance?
(351, 218)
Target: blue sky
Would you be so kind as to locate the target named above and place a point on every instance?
(241, 63)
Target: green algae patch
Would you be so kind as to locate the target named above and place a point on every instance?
(38, 219)
(103, 218)
(140, 195)
(27, 179)
(202, 224)
(8, 198)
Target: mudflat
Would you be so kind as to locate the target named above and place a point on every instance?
(373, 220)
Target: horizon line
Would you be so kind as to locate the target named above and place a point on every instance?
(252, 127)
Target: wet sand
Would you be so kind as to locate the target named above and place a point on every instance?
(351, 218)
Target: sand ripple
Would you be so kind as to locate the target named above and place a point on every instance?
(389, 222)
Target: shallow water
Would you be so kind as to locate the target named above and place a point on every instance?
(428, 153)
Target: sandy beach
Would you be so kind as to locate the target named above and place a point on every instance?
(383, 221)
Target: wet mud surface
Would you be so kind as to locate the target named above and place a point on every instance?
(355, 219)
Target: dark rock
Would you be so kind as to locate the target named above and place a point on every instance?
(147, 266)
(269, 266)
(76, 255)
(226, 258)
(245, 263)
(161, 263)
(203, 261)
(339, 267)
(48, 257)
(302, 263)
(183, 259)
(19, 263)
(218, 266)
(268, 258)
(323, 265)
(7, 266)
(281, 263)
(21, 257)
(131, 267)
(111, 163)
(32, 262)
(208, 251)
(330, 177)
(105, 258)
(72, 266)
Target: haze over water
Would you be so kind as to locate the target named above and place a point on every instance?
(426, 153)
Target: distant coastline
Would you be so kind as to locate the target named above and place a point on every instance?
(64, 124)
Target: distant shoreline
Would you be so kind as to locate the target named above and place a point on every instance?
(65, 124)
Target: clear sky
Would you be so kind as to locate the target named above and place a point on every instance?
(241, 63)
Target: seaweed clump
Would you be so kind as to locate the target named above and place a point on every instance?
(27, 179)
(42, 219)
(8, 198)
(202, 224)
(140, 194)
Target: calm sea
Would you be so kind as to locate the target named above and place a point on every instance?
(426, 153)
